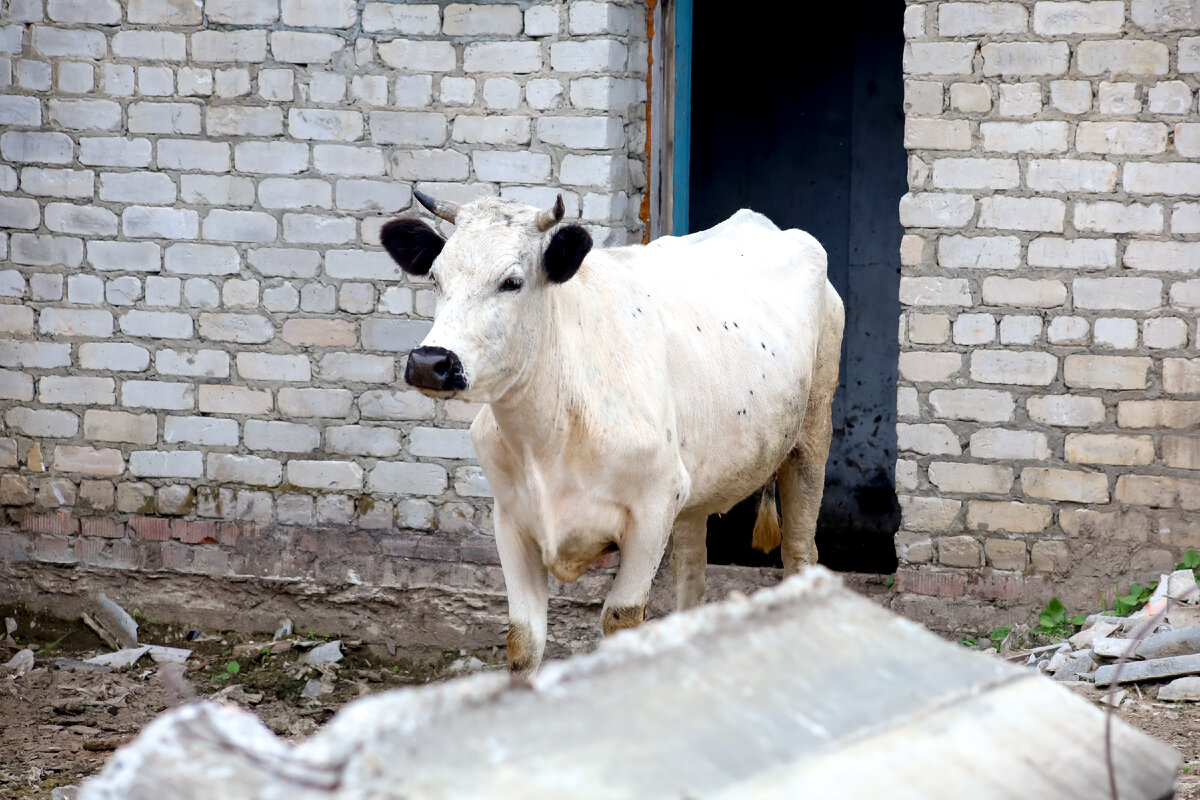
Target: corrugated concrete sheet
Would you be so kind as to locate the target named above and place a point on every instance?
(803, 690)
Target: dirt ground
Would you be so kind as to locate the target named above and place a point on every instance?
(60, 721)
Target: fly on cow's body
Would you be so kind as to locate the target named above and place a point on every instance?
(595, 367)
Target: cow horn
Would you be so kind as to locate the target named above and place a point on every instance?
(548, 219)
(440, 208)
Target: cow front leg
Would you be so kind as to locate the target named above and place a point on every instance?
(689, 557)
(641, 552)
(528, 588)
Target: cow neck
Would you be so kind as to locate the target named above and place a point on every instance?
(544, 403)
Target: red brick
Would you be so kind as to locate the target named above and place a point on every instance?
(60, 522)
(175, 555)
(936, 584)
(997, 587)
(54, 549)
(94, 526)
(227, 533)
(151, 529)
(194, 532)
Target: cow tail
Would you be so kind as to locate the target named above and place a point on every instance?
(767, 534)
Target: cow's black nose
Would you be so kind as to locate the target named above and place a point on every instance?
(435, 368)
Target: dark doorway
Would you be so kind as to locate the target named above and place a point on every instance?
(807, 127)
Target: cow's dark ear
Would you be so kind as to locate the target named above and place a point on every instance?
(565, 253)
(413, 244)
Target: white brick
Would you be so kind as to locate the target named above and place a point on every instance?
(1023, 292)
(70, 218)
(408, 128)
(150, 45)
(240, 226)
(57, 42)
(295, 193)
(1167, 333)
(1107, 216)
(279, 158)
(124, 256)
(969, 98)
(79, 184)
(501, 93)
(305, 48)
(503, 57)
(314, 228)
(591, 56)
(1020, 99)
(607, 94)
(114, 152)
(1153, 256)
(979, 252)
(935, 210)
(418, 56)
(160, 223)
(1184, 219)
(201, 293)
(137, 187)
(545, 94)
(325, 124)
(1126, 294)
(241, 328)
(200, 430)
(216, 190)
(937, 134)
(196, 363)
(974, 329)
(1071, 97)
(441, 443)
(319, 13)
(1067, 175)
(1006, 444)
(378, 196)
(229, 468)
(1173, 178)
(1122, 138)
(407, 478)
(20, 212)
(1064, 18)
(42, 422)
(1119, 98)
(942, 58)
(1119, 334)
(457, 91)
(164, 118)
(491, 130)
(1020, 368)
(123, 291)
(45, 251)
(314, 402)
(934, 292)
(970, 478)
(281, 437)
(414, 20)
(201, 259)
(1066, 411)
(1186, 294)
(1022, 213)
(1106, 372)
(162, 291)
(371, 89)
(1024, 137)
(1010, 59)
(157, 324)
(430, 165)
(514, 167)
(268, 367)
(349, 160)
(978, 405)
(1055, 253)
(461, 19)
(976, 173)
(1121, 58)
(1020, 329)
(972, 19)
(168, 464)
(92, 323)
(1171, 97)
(30, 146)
(414, 91)
(95, 12)
(158, 394)
(928, 439)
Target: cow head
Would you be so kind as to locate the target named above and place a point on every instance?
(493, 276)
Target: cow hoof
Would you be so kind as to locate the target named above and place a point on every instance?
(615, 619)
(521, 657)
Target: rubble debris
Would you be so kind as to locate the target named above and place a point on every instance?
(1181, 689)
(64, 793)
(75, 663)
(284, 630)
(120, 659)
(852, 701)
(168, 655)
(1098, 630)
(315, 687)
(326, 653)
(1113, 648)
(19, 664)
(1133, 671)
(114, 619)
(1181, 642)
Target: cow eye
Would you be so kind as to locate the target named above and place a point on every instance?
(512, 284)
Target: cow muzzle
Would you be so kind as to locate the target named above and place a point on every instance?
(436, 369)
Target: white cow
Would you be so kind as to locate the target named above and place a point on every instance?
(630, 393)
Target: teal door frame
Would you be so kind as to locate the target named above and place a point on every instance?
(681, 161)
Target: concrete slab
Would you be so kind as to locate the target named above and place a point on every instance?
(801, 690)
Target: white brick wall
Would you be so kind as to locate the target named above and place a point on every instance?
(1051, 246)
(192, 193)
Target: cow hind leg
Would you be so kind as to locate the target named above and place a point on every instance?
(801, 477)
(689, 557)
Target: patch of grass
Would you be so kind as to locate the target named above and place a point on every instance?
(1136, 598)
(231, 669)
(967, 641)
(1191, 560)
